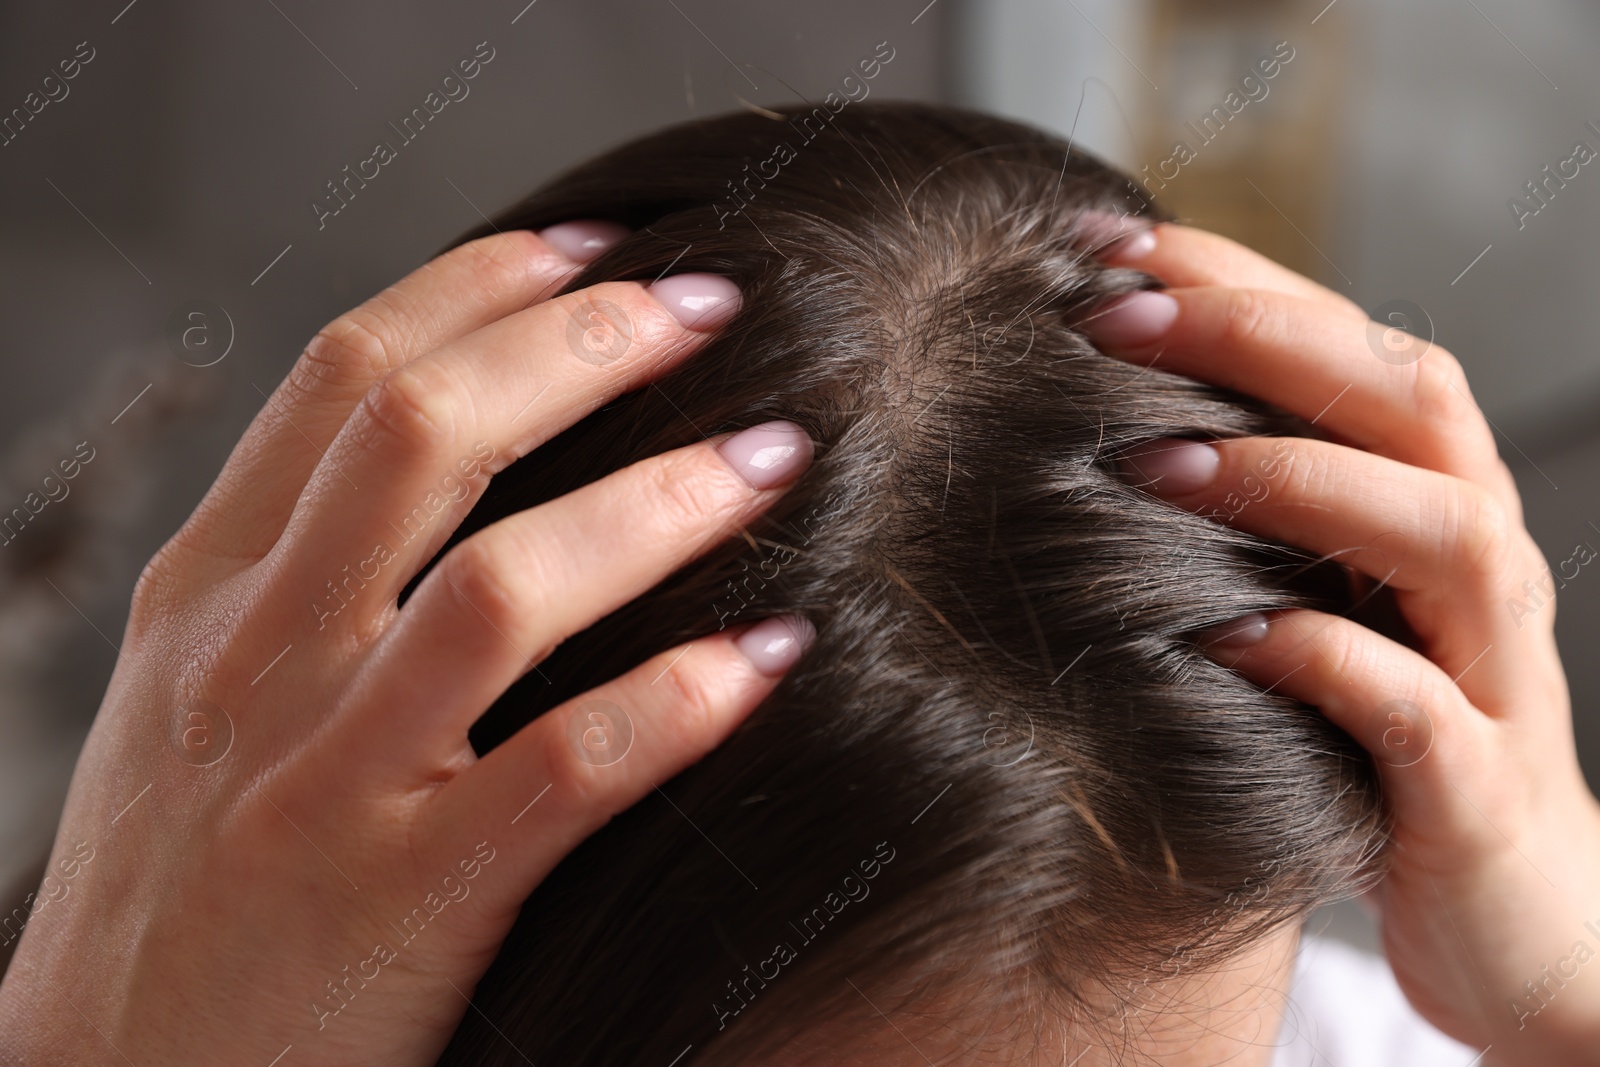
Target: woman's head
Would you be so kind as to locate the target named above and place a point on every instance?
(1005, 775)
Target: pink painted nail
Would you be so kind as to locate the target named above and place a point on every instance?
(1170, 466)
(1138, 241)
(769, 454)
(699, 301)
(583, 239)
(774, 644)
(1242, 632)
(1136, 319)
(1116, 238)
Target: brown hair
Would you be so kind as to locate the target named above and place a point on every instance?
(1004, 761)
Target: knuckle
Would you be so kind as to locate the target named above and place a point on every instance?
(1506, 484)
(649, 326)
(1481, 532)
(687, 496)
(487, 586)
(504, 261)
(1348, 657)
(584, 786)
(1439, 393)
(1307, 472)
(154, 588)
(410, 410)
(691, 693)
(356, 348)
(1249, 316)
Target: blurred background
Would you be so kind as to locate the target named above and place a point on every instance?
(163, 262)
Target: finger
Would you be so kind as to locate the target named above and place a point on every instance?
(499, 601)
(565, 774)
(413, 457)
(1420, 730)
(1182, 256)
(1446, 545)
(1318, 364)
(461, 291)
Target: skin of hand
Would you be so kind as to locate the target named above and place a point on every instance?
(278, 844)
(1490, 906)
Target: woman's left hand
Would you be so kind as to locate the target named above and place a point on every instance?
(279, 846)
(1491, 903)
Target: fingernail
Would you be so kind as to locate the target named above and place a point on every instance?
(1240, 633)
(583, 239)
(774, 644)
(1134, 320)
(1139, 241)
(1170, 466)
(769, 454)
(699, 301)
(1114, 236)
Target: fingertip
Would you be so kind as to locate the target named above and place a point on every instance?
(1112, 237)
(1237, 634)
(583, 240)
(1170, 466)
(768, 455)
(774, 645)
(699, 301)
(1128, 249)
(1132, 321)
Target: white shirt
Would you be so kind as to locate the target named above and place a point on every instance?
(1346, 1010)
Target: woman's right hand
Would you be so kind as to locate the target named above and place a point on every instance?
(278, 846)
(1491, 902)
